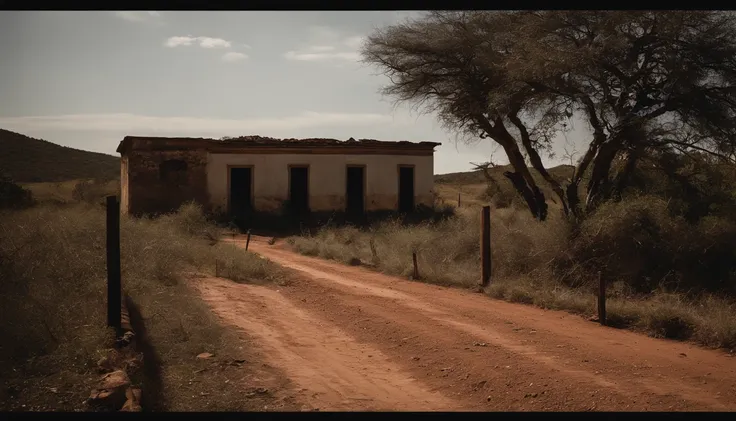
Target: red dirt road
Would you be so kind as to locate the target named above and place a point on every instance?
(348, 338)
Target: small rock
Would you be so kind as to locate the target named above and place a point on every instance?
(126, 339)
(205, 355)
(133, 393)
(682, 354)
(415, 358)
(133, 364)
(111, 391)
(480, 344)
(132, 404)
(53, 390)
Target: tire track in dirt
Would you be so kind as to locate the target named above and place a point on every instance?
(573, 363)
(331, 369)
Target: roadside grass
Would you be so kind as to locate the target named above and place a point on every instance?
(52, 305)
(542, 264)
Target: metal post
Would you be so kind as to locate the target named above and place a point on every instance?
(114, 287)
(601, 299)
(485, 246)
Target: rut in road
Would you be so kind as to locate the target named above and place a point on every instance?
(354, 339)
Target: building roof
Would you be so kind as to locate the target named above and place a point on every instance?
(256, 144)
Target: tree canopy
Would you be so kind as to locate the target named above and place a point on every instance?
(647, 83)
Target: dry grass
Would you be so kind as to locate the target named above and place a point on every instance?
(533, 264)
(52, 295)
(72, 191)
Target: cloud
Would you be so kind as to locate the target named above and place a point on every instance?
(133, 124)
(138, 16)
(307, 56)
(204, 42)
(232, 56)
(327, 44)
(354, 42)
(321, 48)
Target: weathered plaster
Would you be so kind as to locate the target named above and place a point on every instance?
(327, 179)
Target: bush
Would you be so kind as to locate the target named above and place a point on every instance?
(640, 242)
(13, 196)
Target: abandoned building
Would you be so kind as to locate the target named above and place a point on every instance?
(260, 174)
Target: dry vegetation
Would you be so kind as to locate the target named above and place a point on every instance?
(667, 276)
(52, 305)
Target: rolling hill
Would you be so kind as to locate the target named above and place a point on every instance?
(28, 160)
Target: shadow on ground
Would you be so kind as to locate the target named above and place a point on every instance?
(152, 393)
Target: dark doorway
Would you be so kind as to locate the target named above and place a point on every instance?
(299, 189)
(406, 189)
(355, 193)
(241, 183)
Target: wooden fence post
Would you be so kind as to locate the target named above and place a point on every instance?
(372, 243)
(601, 299)
(247, 241)
(114, 287)
(485, 246)
(416, 268)
(458, 199)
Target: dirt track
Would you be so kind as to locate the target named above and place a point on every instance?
(351, 339)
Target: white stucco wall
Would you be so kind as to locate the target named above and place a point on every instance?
(327, 179)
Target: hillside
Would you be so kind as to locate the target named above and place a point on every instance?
(28, 160)
(559, 172)
(472, 186)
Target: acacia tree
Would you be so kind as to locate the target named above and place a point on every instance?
(644, 81)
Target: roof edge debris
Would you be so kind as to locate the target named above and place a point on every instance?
(199, 142)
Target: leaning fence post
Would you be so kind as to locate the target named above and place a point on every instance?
(247, 241)
(416, 267)
(372, 243)
(601, 299)
(114, 287)
(458, 199)
(485, 246)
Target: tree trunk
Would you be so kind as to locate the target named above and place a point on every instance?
(599, 184)
(524, 183)
(536, 160)
(622, 178)
(521, 178)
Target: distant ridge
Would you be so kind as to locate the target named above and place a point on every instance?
(28, 160)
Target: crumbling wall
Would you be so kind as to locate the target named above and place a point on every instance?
(161, 181)
(124, 198)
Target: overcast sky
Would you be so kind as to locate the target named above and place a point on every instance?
(87, 79)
